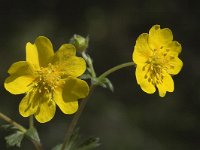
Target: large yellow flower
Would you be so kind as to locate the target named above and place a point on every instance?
(48, 79)
(156, 57)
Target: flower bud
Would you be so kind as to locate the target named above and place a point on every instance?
(80, 42)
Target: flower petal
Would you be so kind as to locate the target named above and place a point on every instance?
(64, 52)
(142, 51)
(75, 88)
(69, 106)
(166, 85)
(66, 97)
(46, 109)
(145, 85)
(74, 66)
(159, 37)
(29, 104)
(67, 62)
(174, 48)
(39, 53)
(174, 65)
(21, 76)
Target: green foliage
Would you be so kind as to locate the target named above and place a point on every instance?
(33, 134)
(106, 83)
(76, 143)
(15, 139)
(89, 144)
(7, 127)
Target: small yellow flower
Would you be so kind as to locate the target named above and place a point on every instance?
(48, 79)
(156, 57)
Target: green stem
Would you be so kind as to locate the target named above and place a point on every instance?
(37, 145)
(31, 121)
(89, 63)
(77, 115)
(10, 121)
(75, 119)
(118, 67)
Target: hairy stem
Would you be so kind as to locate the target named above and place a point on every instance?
(31, 121)
(15, 124)
(75, 119)
(77, 115)
(37, 144)
(118, 67)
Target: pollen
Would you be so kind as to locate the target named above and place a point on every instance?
(48, 78)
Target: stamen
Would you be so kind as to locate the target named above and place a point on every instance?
(48, 78)
(143, 68)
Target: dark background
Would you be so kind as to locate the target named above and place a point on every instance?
(127, 119)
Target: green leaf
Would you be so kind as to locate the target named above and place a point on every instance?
(8, 127)
(33, 134)
(57, 147)
(109, 84)
(15, 139)
(106, 83)
(76, 143)
(89, 144)
(85, 76)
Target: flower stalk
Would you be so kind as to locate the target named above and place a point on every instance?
(77, 115)
(31, 122)
(118, 67)
(15, 124)
(37, 144)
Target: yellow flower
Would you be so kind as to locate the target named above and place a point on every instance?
(156, 57)
(48, 79)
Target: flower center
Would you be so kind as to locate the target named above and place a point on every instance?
(48, 78)
(154, 67)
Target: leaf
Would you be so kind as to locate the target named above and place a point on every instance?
(33, 134)
(57, 147)
(89, 144)
(106, 83)
(15, 139)
(85, 76)
(76, 144)
(8, 127)
(109, 84)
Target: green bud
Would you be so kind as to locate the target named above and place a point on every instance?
(80, 42)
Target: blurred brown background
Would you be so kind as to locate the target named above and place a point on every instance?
(127, 119)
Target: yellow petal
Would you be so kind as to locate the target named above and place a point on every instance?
(64, 52)
(21, 76)
(174, 48)
(39, 53)
(66, 96)
(142, 51)
(159, 37)
(73, 66)
(46, 109)
(69, 106)
(29, 104)
(75, 88)
(145, 85)
(166, 85)
(174, 65)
